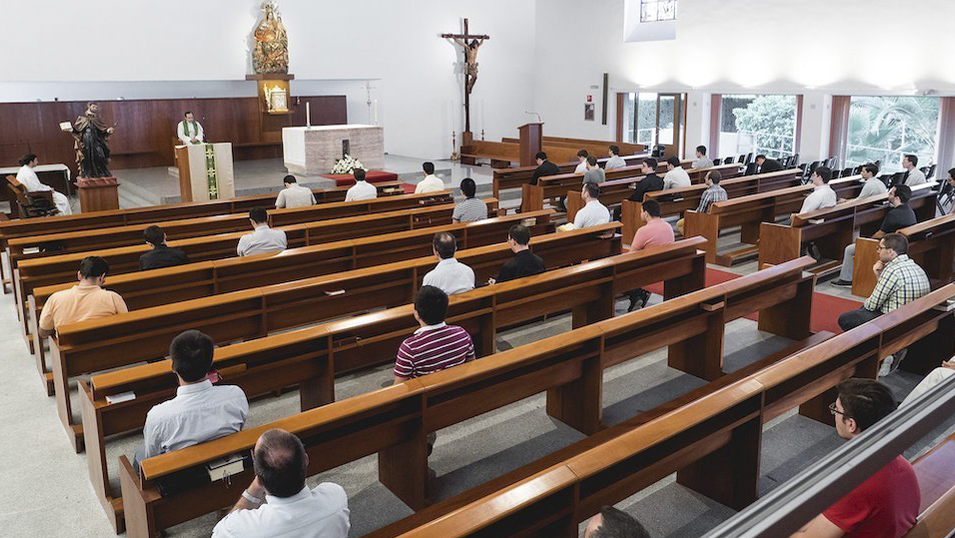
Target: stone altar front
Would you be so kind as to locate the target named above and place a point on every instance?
(312, 151)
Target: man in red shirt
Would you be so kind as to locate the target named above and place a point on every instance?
(436, 345)
(654, 233)
(887, 504)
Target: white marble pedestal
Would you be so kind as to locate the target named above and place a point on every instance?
(312, 151)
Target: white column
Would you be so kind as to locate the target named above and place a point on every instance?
(697, 122)
(816, 123)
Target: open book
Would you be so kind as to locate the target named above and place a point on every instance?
(66, 126)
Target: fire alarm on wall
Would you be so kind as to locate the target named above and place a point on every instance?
(590, 98)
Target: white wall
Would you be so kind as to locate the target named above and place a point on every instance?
(333, 45)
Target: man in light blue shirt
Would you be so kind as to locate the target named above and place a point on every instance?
(262, 239)
(450, 275)
(615, 161)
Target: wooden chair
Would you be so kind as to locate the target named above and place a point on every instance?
(31, 204)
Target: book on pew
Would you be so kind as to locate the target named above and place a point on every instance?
(121, 397)
(226, 467)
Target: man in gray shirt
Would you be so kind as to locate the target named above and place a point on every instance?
(294, 195)
(914, 176)
(615, 161)
(263, 239)
(873, 185)
(594, 173)
(702, 161)
(471, 209)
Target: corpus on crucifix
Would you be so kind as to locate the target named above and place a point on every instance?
(470, 43)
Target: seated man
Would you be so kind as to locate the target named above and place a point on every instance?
(28, 178)
(901, 281)
(873, 186)
(933, 378)
(86, 300)
(436, 345)
(702, 161)
(900, 216)
(887, 504)
(613, 523)
(544, 168)
(766, 166)
(913, 176)
(656, 232)
(822, 195)
(593, 213)
(263, 239)
(524, 263)
(161, 255)
(431, 182)
(594, 173)
(581, 162)
(676, 176)
(615, 160)
(294, 195)
(450, 275)
(278, 503)
(472, 208)
(713, 193)
(361, 190)
(200, 412)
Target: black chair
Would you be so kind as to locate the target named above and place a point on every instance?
(836, 174)
(857, 170)
(897, 179)
(749, 158)
(847, 172)
(716, 162)
(931, 172)
(750, 169)
(728, 160)
(741, 159)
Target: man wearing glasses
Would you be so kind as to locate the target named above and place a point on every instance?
(887, 504)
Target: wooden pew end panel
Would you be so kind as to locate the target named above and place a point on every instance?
(779, 243)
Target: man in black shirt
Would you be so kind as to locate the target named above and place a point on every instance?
(544, 168)
(651, 182)
(767, 165)
(161, 255)
(524, 262)
(900, 216)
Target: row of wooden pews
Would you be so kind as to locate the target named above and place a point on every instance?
(508, 179)
(394, 422)
(558, 149)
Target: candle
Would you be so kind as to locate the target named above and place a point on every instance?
(308, 114)
(374, 109)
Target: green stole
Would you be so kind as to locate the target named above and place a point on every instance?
(185, 129)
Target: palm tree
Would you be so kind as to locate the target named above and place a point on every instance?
(885, 128)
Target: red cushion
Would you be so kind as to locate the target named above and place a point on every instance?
(372, 176)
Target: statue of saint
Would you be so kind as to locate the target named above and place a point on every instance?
(270, 53)
(470, 59)
(90, 134)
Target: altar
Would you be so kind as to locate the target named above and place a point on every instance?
(312, 151)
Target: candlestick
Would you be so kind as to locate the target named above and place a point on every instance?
(374, 109)
(308, 114)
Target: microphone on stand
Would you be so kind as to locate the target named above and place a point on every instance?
(536, 114)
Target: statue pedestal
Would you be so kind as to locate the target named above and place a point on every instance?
(98, 194)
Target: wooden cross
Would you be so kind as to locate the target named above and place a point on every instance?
(470, 69)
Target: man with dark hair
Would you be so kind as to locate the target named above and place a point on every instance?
(702, 161)
(651, 181)
(294, 195)
(913, 176)
(472, 208)
(614, 523)
(594, 174)
(263, 239)
(822, 195)
(886, 505)
(615, 160)
(31, 182)
(450, 275)
(581, 162)
(900, 216)
(593, 213)
(200, 411)
(676, 176)
(655, 232)
(873, 186)
(361, 190)
(189, 131)
(713, 193)
(85, 300)
(278, 503)
(431, 182)
(161, 255)
(435, 345)
(524, 262)
(544, 168)
(766, 166)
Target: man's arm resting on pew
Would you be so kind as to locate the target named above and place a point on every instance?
(45, 333)
(255, 491)
(819, 527)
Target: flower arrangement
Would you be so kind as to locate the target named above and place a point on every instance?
(346, 165)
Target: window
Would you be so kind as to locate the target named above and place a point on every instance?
(654, 118)
(885, 128)
(758, 124)
(657, 10)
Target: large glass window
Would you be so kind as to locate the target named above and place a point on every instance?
(654, 118)
(885, 128)
(657, 10)
(758, 124)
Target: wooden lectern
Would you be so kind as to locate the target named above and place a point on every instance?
(531, 142)
(98, 194)
(205, 172)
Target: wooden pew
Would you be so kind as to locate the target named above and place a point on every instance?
(277, 361)
(710, 437)
(832, 229)
(597, 148)
(512, 178)
(395, 421)
(500, 154)
(937, 488)
(748, 212)
(931, 245)
(508, 150)
(125, 339)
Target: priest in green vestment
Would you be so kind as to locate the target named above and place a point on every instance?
(190, 131)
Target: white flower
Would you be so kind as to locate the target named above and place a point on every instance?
(346, 165)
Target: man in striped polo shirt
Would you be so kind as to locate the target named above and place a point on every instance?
(436, 345)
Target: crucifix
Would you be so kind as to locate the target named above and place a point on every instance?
(470, 71)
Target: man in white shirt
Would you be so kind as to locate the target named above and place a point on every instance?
(189, 130)
(581, 162)
(361, 190)
(873, 186)
(593, 213)
(615, 161)
(702, 161)
(914, 176)
(294, 195)
(263, 239)
(28, 178)
(431, 182)
(450, 275)
(200, 411)
(822, 195)
(676, 176)
(278, 503)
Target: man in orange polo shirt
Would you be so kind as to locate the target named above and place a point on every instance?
(86, 300)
